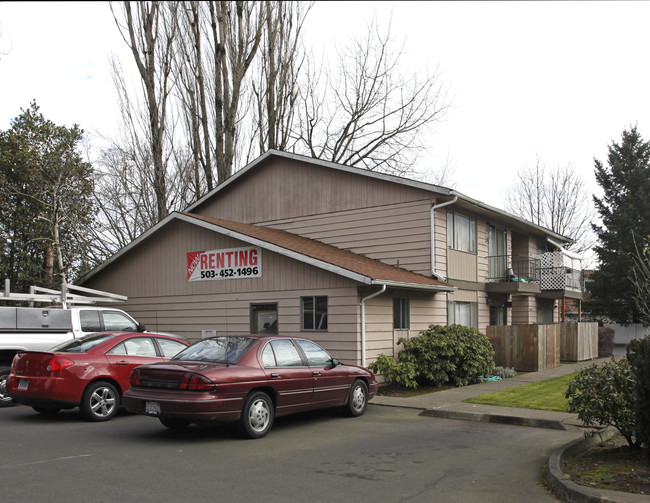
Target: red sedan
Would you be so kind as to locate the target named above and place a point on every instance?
(249, 379)
(90, 372)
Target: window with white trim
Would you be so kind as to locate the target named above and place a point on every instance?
(462, 313)
(461, 232)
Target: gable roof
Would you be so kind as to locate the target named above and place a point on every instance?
(445, 194)
(342, 262)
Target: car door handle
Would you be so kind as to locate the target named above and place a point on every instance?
(122, 362)
(315, 373)
(275, 376)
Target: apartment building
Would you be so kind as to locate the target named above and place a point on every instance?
(349, 258)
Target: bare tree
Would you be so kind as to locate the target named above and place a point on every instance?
(149, 32)
(444, 175)
(276, 84)
(369, 112)
(556, 199)
(641, 281)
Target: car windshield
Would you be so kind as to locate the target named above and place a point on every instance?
(82, 344)
(217, 350)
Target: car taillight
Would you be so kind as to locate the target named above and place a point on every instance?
(59, 363)
(135, 377)
(195, 382)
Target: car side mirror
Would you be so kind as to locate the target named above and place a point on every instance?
(335, 362)
(141, 327)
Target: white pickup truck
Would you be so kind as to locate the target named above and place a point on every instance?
(41, 328)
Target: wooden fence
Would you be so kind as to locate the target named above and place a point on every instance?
(578, 341)
(529, 348)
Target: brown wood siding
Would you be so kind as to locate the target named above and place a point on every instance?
(284, 188)
(153, 276)
(482, 250)
(395, 234)
(441, 265)
(462, 265)
(426, 309)
(524, 310)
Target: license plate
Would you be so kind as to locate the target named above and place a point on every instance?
(23, 384)
(152, 408)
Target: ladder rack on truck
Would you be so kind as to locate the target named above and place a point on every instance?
(65, 297)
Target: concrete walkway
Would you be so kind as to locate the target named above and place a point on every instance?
(451, 404)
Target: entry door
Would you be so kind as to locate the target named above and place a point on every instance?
(497, 253)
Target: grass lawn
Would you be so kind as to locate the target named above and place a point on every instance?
(544, 395)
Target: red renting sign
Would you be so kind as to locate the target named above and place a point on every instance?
(231, 263)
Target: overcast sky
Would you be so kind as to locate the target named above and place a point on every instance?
(557, 81)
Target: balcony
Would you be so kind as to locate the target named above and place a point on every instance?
(513, 275)
(553, 275)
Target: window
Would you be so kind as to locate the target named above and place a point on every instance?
(140, 346)
(281, 353)
(499, 315)
(401, 313)
(316, 356)
(264, 318)
(545, 315)
(89, 321)
(169, 347)
(463, 313)
(461, 232)
(313, 313)
(119, 322)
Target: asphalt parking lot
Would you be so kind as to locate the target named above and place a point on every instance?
(390, 454)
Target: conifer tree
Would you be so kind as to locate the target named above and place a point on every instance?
(624, 211)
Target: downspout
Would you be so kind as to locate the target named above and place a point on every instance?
(363, 323)
(433, 236)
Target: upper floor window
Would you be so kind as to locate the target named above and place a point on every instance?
(313, 312)
(461, 232)
(401, 313)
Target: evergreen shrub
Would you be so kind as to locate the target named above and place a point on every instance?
(603, 395)
(454, 354)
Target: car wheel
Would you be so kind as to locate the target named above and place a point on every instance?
(358, 400)
(100, 401)
(46, 410)
(5, 400)
(257, 415)
(175, 423)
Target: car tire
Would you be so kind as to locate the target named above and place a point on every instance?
(99, 401)
(256, 415)
(5, 400)
(358, 400)
(175, 423)
(46, 410)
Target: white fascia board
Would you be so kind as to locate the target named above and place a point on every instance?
(509, 216)
(414, 286)
(278, 249)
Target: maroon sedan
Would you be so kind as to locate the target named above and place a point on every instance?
(90, 372)
(249, 379)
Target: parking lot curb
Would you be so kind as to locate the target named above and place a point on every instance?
(562, 486)
(496, 418)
